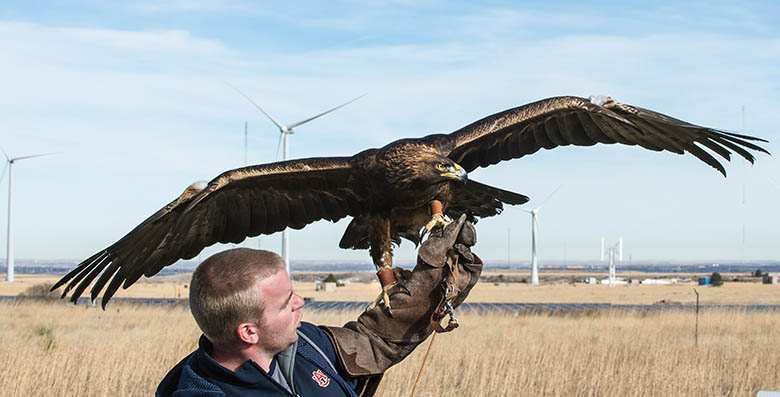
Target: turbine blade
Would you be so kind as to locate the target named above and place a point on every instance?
(273, 120)
(7, 158)
(325, 112)
(32, 156)
(4, 169)
(279, 147)
(548, 197)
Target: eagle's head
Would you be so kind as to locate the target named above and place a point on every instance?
(449, 169)
(433, 168)
(414, 166)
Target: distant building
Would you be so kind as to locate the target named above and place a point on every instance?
(327, 287)
(771, 279)
(617, 281)
(658, 281)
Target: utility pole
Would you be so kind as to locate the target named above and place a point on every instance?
(744, 211)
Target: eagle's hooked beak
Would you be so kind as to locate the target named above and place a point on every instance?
(457, 172)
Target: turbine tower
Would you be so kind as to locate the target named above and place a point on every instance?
(612, 276)
(534, 231)
(616, 248)
(10, 236)
(286, 130)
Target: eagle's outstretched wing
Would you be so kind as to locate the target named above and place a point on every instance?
(563, 121)
(243, 202)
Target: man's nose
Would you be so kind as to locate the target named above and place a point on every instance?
(298, 301)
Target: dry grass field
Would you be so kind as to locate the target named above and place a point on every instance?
(51, 348)
(59, 349)
(742, 293)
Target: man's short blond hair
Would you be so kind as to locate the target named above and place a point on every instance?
(223, 291)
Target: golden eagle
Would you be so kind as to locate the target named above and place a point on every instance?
(391, 192)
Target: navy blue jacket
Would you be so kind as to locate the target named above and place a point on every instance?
(307, 371)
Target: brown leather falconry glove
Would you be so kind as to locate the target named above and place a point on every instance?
(376, 341)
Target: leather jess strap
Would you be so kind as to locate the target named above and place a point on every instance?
(450, 292)
(386, 276)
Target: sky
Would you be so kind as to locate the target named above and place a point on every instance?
(134, 99)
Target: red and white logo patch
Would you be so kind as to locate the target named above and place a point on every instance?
(320, 378)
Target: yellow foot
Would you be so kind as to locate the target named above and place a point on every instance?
(436, 220)
(384, 296)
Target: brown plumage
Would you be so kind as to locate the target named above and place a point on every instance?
(387, 190)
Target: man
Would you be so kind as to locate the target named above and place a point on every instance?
(254, 343)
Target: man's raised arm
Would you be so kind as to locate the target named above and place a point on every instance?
(366, 348)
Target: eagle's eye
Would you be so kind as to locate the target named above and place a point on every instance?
(441, 167)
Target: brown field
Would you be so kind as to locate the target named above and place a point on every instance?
(729, 293)
(59, 349)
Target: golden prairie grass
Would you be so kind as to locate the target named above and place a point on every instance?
(605, 354)
(58, 349)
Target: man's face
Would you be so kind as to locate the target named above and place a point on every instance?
(282, 313)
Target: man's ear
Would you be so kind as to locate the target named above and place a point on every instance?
(248, 333)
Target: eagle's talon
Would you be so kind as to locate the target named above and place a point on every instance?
(436, 220)
(396, 288)
(384, 296)
(423, 234)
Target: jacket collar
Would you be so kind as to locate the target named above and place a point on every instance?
(249, 373)
(286, 360)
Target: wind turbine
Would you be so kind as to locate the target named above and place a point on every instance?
(610, 251)
(534, 231)
(10, 247)
(286, 130)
